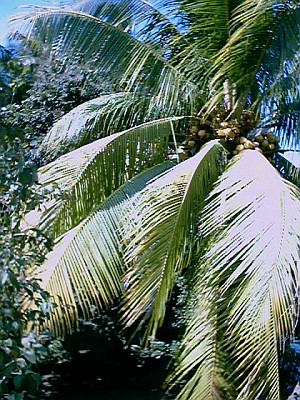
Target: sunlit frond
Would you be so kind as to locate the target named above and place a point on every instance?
(89, 121)
(88, 175)
(146, 20)
(199, 366)
(264, 37)
(84, 271)
(254, 218)
(114, 53)
(161, 243)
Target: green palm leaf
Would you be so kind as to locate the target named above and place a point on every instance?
(199, 362)
(122, 58)
(254, 220)
(135, 16)
(89, 121)
(88, 175)
(288, 167)
(264, 36)
(161, 242)
(84, 271)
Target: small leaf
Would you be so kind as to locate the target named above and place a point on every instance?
(30, 355)
(18, 380)
(21, 363)
(3, 277)
(13, 280)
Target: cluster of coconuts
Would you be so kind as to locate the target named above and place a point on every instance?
(227, 130)
(199, 133)
(234, 134)
(231, 129)
(245, 144)
(262, 142)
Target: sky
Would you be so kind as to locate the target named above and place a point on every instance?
(10, 7)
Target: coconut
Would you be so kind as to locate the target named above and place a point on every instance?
(271, 146)
(239, 147)
(235, 152)
(201, 133)
(227, 131)
(255, 144)
(221, 133)
(191, 143)
(248, 145)
(264, 143)
(193, 129)
(183, 155)
(259, 138)
(243, 140)
(224, 124)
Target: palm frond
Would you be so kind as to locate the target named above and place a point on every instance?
(289, 166)
(207, 29)
(127, 61)
(264, 35)
(145, 20)
(84, 271)
(88, 175)
(160, 244)
(89, 121)
(209, 22)
(199, 367)
(254, 221)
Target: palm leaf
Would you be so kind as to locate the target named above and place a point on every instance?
(88, 175)
(87, 122)
(209, 22)
(160, 245)
(289, 167)
(136, 17)
(114, 53)
(254, 219)
(199, 362)
(264, 36)
(84, 271)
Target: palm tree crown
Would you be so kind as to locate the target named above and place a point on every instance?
(139, 208)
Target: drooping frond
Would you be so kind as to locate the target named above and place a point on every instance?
(280, 101)
(289, 167)
(161, 242)
(207, 29)
(84, 271)
(209, 22)
(148, 21)
(125, 60)
(89, 121)
(265, 35)
(253, 217)
(88, 175)
(199, 367)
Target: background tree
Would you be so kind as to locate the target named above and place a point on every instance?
(127, 223)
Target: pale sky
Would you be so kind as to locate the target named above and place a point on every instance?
(11, 7)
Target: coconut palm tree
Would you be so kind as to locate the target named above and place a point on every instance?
(175, 175)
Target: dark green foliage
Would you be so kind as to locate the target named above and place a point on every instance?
(56, 89)
(22, 346)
